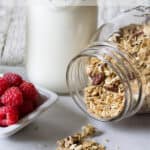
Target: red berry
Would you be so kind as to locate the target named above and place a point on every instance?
(13, 79)
(29, 91)
(26, 108)
(12, 97)
(8, 116)
(3, 85)
(35, 104)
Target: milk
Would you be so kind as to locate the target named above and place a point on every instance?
(54, 36)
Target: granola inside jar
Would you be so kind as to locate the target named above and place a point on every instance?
(110, 79)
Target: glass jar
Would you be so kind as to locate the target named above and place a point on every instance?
(57, 30)
(110, 79)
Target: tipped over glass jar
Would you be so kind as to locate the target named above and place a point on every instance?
(110, 79)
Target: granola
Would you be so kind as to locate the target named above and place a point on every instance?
(135, 40)
(79, 141)
(104, 95)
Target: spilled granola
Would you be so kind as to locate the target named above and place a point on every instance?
(80, 141)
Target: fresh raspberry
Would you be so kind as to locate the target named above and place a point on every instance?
(3, 85)
(26, 108)
(35, 104)
(8, 116)
(12, 97)
(29, 91)
(13, 79)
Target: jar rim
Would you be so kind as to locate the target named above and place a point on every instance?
(128, 95)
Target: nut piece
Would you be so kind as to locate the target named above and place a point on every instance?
(110, 87)
(88, 130)
(98, 79)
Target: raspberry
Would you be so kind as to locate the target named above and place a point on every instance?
(3, 85)
(12, 97)
(26, 108)
(8, 116)
(35, 104)
(13, 79)
(29, 91)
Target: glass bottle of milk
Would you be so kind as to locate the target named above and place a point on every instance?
(55, 33)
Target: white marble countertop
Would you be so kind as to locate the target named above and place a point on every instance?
(64, 118)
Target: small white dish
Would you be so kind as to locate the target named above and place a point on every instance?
(47, 98)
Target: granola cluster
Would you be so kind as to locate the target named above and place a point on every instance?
(135, 40)
(104, 95)
(79, 141)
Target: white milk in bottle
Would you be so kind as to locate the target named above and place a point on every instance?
(54, 36)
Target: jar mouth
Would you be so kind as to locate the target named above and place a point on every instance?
(78, 80)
